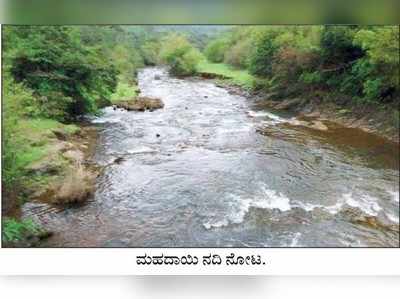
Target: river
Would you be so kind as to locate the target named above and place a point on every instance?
(213, 169)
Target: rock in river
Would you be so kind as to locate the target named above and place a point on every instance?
(141, 104)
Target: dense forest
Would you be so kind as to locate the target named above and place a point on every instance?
(53, 75)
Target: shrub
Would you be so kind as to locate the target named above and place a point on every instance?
(215, 50)
(66, 76)
(238, 55)
(14, 230)
(337, 45)
(124, 91)
(382, 47)
(126, 61)
(180, 55)
(261, 58)
(150, 51)
(290, 63)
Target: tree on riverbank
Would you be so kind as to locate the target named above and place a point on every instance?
(51, 76)
(180, 55)
(351, 63)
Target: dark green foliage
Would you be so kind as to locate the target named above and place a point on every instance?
(261, 58)
(337, 45)
(14, 230)
(66, 76)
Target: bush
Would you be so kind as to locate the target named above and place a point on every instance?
(67, 77)
(150, 52)
(14, 230)
(126, 61)
(238, 55)
(124, 91)
(261, 58)
(382, 48)
(215, 50)
(290, 63)
(337, 45)
(180, 55)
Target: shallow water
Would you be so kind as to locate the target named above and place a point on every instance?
(225, 173)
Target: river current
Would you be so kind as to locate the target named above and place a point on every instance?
(213, 169)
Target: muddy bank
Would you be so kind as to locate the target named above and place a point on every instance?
(368, 119)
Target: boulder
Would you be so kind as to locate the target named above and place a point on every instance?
(318, 125)
(141, 104)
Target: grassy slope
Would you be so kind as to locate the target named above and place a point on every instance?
(239, 77)
(36, 136)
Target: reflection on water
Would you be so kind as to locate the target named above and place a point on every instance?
(211, 170)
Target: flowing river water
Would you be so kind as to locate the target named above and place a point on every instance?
(213, 169)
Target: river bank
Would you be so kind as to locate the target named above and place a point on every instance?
(64, 175)
(368, 118)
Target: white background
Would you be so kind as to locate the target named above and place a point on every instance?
(203, 287)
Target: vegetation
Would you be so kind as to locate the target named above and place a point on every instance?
(51, 76)
(237, 76)
(124, 91)
(354, 64)
(215, 50)
(180, 55)
(14, 230)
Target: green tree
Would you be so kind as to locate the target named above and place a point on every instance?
(180, 55)
(66, 76)
(215, 50)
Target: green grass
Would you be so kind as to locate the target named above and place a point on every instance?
(30, 154)
(32, 138)
(237, 76)
(124, 91)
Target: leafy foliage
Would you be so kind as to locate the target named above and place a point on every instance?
(215, 50)
(14, 230)
(67, 77)
(360, 63)
(180, 55)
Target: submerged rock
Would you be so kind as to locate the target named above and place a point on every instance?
(141, 104)
(119, 160)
